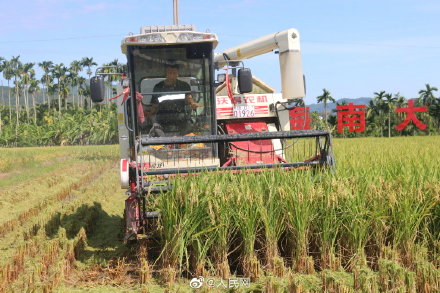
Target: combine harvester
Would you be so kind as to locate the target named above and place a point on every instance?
(191, 129)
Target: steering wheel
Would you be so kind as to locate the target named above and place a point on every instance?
(192, 114)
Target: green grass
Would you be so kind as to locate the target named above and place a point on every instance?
(20, 164)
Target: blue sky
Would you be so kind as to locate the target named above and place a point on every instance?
(350, 47)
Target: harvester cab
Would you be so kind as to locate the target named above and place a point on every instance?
(176, 117)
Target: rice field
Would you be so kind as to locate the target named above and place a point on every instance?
(373, 226)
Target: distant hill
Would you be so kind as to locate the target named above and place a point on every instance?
(332, 106)
(38, 97)
(5, 95)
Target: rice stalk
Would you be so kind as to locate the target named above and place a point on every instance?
(395, 278)
(298, 202)
(183, 212)
(355, 224)
(327, 223)
(407, 219)
(272, 215)
(246, 219)
(219, 209)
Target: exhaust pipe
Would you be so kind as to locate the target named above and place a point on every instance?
(176, 11)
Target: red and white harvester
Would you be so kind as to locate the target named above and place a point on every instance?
(238, 131)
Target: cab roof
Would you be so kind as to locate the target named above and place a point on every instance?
(168, 35)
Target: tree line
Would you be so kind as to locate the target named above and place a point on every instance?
(381, 117)
(65, 113)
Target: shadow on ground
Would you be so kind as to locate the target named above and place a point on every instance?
(104, 232)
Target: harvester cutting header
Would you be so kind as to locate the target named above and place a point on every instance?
(176, 117)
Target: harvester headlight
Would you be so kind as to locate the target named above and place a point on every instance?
(188, 37)
(150, 38)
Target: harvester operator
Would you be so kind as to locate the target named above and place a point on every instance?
(171, 84)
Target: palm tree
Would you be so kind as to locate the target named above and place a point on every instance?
(52, 89)
(33, 89)
(379, 103)
(373, 114)
(324, 98)
(2, 60)
(434, 111)
(88, 62)
(73, 80)
(86, 93)
(81, 89)
(64, 93)
(8, 74)
(46, 78)
(373, 109)
(427, 96)
(74, 69)
(379, 96)
(113, 69)
(59, 72)
(401, 101)
(389, 104)
(75, 66)
(27, 73)
(3, 100)
(69, 84)
(16, 66)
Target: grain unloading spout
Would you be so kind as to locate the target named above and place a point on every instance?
(288, 45)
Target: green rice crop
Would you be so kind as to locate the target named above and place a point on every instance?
(373, 225)
(385, 195)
